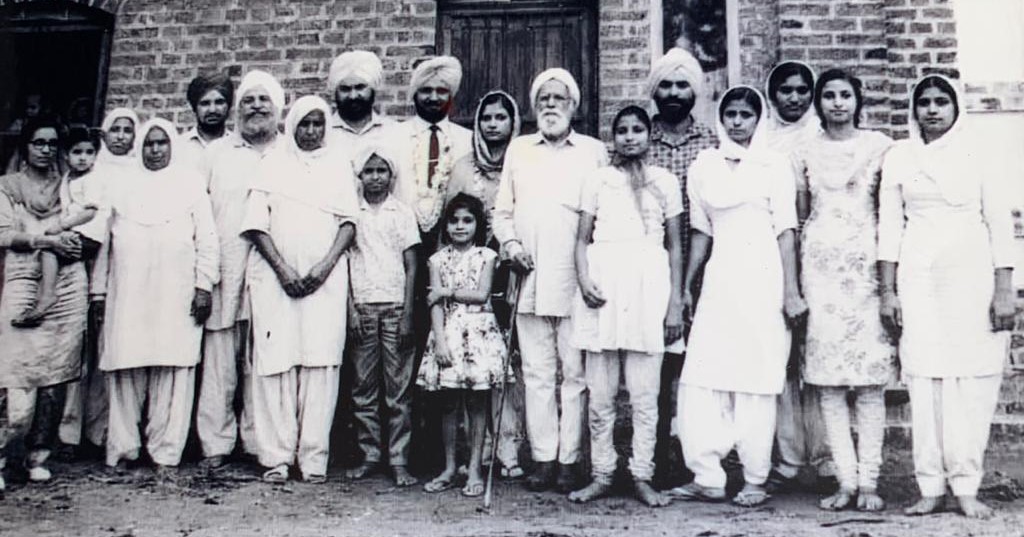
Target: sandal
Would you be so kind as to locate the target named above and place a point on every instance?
(693, 492)
(438, 484)
(473, 489)
(512, 472)
(777, 482)
(315, 479)
(276, 475)
(750, 498)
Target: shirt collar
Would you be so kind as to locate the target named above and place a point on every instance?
(572, 140)
(695, 130)
(375, 121)
(387, 205)
(423, 125)
(193, 134)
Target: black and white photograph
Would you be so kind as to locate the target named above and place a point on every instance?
(512, 268)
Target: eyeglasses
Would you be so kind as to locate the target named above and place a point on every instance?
(41, 143)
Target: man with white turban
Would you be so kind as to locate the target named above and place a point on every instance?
(675, 83)
(353, 80)
(230, 164)
(536, 216)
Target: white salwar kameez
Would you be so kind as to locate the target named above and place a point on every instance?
(945, 218)
(739, 344)
(163, 247)
(301, 200)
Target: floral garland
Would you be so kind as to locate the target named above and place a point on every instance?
(430, 198)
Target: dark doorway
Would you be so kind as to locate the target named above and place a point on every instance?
(503, 44)
(54, 57)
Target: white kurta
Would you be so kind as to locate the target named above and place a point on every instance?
(163, 247)
(308, 331)
(739, 341)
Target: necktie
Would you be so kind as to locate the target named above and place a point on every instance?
(435, 149)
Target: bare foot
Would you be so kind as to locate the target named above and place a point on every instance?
(650, 497)
(869, 500)
(402, 476)
(594, 490)
(926, 506)
(33, 316)
(751, 496)
(838, 501)
(362, 471)
(972, 508)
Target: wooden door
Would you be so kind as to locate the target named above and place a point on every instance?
(505, 44)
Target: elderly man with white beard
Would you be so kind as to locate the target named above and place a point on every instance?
(536, 216)
(231, 163)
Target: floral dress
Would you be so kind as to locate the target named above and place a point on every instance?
(474, 339)
(846, 343)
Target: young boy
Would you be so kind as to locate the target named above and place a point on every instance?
(383, 272)
(79, 206)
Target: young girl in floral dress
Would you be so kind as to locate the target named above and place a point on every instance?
(465, 350)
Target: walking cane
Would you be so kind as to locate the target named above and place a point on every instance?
(511, 293)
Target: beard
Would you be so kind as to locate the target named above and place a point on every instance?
(258, 127)
(355, 109)
(674, 109)
(431, 113)
(553, 123)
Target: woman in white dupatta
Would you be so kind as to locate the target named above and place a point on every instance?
(742, 197)
(300, 217)
(162, 264)
(946, 254)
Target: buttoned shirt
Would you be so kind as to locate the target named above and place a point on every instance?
(355, 140)
(194, 145)
(676, 155)
(537, 209)
(383, 234)
(411, 142)
(230, 165)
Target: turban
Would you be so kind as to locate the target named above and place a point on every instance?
(676, 59)
(201, 85)
(261, 79)
(446, 69)
(358, 64)
(560, 75)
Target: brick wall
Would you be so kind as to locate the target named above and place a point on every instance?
(759, 39)
(159, 46)
(624, 28)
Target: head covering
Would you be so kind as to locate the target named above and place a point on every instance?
(105, 157)
(359, 64)
(300, 109)
(172, 135)
(443, 69)
(676, 59)
(203, 84)
(363, 156)
(782, 135)
(952, 158)
(321, 178)
(729, 148)
(481, 153)
(261, 79)
(559, 74)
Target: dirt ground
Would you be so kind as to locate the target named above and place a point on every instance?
(85, 499)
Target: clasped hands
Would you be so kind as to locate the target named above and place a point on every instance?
(297, 286)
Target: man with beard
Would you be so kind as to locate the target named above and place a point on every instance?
(230, 163)
(536, 216)
(675, 83)
(210, 97)
(354, 79)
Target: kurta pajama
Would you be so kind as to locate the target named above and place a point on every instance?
(300, 200)
(163, 247)
(945, 218)
(538, 208)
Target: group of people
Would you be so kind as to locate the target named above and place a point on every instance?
(416, 249)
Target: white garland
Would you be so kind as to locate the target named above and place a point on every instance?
(430, 199)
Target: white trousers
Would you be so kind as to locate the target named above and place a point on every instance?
(855, 469)
(713, 422)
(216, 423)
(292, 414)
(800, 431)
(643, 380)
(544, 343)
(85, 409)
(951, 419)
(168, 392)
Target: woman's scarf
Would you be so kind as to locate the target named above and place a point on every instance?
(485, 162)
(127, 160)
(952, 159)
(321, 178)
(782, 133)
(729, 186)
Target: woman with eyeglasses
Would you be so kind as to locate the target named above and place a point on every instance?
(38, 361)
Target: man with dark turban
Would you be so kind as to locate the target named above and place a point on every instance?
(210, 97)
(675, 83)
